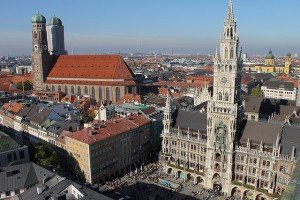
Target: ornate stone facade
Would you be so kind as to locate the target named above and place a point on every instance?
(249, 159)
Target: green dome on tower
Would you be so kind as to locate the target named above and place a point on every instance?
(55, 21)
(38, 18)
(270, 55)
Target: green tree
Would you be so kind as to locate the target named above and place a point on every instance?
(45, 155)
(27, 85)
(257, 92)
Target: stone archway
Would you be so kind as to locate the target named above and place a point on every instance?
(199, 179)
(189, 177)
(236, 193)
(248, 195)
(169, 171)
(261, 197)
(180, 175)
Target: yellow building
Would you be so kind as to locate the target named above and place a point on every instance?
(106, 149)
(271, 67)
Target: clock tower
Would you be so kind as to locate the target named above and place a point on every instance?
(40, 54)
(224, 110)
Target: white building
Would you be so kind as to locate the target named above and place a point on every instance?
(277, 89)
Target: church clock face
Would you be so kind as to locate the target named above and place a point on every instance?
(224, 80)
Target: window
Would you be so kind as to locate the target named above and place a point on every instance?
(220, 96)
(231, 53)
(7, 193)
(79, 90)
(9, 158)
(226, 97)
(100, 93)
(59, 88)
(86, 91)
(107, 94)
(93, 93)
(22, 155)
(66, 89)
(226, 53)
(53, 88)
(72, 89)
(118, 94)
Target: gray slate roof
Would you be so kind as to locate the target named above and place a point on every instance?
(22, 176)
(7, 143)
(290, 138)
(276, 84)
(190, 119)
(261, 131)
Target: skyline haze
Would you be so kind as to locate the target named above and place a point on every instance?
(154, 26)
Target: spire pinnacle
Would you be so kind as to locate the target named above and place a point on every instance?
(230, 14)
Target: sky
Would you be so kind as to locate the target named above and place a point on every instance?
(161, 26)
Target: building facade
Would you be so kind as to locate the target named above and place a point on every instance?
(271, 67)
(107, 149)
(279, 90)
(219, 149)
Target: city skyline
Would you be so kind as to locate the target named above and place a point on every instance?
(156, 26)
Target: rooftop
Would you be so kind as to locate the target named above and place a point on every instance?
(103, 130)
(7, 143)
(96, 67)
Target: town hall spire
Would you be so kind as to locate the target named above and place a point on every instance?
(230, 13)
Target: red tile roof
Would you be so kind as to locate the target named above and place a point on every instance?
(90, 67)
(109, 128)
(12, 107)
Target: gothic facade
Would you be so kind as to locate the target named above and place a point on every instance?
(249, 159)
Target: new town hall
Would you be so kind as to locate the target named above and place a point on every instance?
(219, 148)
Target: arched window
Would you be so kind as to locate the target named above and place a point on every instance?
(220, 96)
(227, 31)
(79, 90)
(93, 93)
(72, 89)
(86, 90)
(107, 94)
(231, 33)
(66, 89)
(231, 53)
(230, 68)
(35, 35)
(100, 93)
(226, 97)
(219, 66)
(226, 53)
(59, 88)
(53, 88)
(118, 94)
(47, 88)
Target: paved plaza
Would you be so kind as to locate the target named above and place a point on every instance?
(146, 184)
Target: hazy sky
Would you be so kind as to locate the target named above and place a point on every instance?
(184, 26)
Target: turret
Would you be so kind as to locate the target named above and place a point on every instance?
(167, 121)
(40, 54)
(298, 96)
(55, 37)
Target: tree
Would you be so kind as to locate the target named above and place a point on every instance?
(46, 156)
(90, 115)
(27, 85)
(257, 92)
